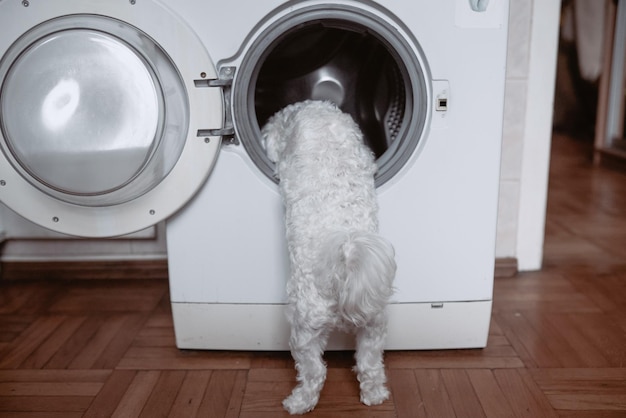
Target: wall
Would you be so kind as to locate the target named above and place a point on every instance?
(529, 98)
(531, 64)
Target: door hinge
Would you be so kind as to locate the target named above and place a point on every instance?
(225, 82)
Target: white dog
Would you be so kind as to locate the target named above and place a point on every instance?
(341, 269)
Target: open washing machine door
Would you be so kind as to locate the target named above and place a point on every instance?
(109, 119)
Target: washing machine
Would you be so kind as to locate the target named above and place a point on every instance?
(118, 114)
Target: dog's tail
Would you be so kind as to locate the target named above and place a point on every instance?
(363, 267)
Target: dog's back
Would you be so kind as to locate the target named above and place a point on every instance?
(326, 172)
(326, 177)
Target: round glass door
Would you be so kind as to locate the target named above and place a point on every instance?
(96, 115)
(85, 117)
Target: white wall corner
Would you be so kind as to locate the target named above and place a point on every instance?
(537, 133)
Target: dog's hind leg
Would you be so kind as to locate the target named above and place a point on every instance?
(307, 347)
(369, 361)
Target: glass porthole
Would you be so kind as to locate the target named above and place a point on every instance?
(101, 112)
(93, 111)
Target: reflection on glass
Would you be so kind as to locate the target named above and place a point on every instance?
(60, 104)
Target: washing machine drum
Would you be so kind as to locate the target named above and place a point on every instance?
(360, 58)
(349, 68)
(99, 117)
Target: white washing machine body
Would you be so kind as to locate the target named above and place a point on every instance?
(228, 264)
(228, 259)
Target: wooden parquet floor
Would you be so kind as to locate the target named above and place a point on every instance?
(557, 345)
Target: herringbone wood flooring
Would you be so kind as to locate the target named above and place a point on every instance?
(557, 346)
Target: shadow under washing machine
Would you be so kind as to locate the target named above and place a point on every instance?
(179, 92)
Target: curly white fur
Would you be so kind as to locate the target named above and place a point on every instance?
(341, 269)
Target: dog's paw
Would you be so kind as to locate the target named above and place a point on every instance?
(300, 402)
(374, 395)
